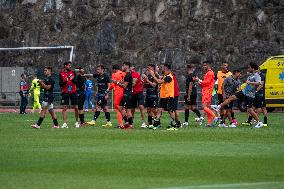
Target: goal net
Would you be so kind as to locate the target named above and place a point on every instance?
(30, 61)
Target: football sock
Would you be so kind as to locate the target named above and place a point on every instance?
(97, 114)
(265, 120)
(107, 115)
(249, 119)
(178, 124)
(125, 118)
(81, 116)
(210, 115)
(130, 120)
(40, 120)
(55, 122)
(197, 112)
(222, 116)
(119, 117)
(186, 115)
(156, 122)
(233, 115)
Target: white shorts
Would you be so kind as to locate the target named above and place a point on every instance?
(47, 105)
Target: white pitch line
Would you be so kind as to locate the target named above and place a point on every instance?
(231, 185)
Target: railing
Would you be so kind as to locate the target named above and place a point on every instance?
(12, 100)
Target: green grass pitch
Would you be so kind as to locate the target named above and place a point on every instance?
(96, 157)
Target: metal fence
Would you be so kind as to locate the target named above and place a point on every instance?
(12, 100)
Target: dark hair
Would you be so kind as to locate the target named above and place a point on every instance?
(22, 75)
(207, 62)
(48, 67)
(115, 67)
(152, 65)
(189, 66)
(253, 65)
(236, 71)
(127, 64)
(168, 66)
(79, 68)
(66, 63)
(101, 66)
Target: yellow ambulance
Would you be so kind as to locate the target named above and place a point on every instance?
(273, 68)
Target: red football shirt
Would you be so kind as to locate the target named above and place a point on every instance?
(138, 87)
(176, 89)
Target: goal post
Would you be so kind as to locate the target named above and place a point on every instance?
(10, 70)
(42, 48)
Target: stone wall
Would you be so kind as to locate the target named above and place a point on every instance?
(144, 31)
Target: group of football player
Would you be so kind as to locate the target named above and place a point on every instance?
(155, 91)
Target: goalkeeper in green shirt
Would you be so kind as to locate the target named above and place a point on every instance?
(36, 88)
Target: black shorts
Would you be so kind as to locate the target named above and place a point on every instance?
(151, 101)
(138, 99)
(72, 96)
(220, 99)
(101, 101)
(259, 101)
(81, 100)
(167, 104)
(175, 103)
(192, 101)
(248, 100)
(127, 102)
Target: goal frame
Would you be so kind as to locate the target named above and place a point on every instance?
(42, 48)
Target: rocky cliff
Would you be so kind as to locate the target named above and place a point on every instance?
(143, 31)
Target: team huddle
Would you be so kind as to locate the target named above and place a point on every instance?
(152, 93)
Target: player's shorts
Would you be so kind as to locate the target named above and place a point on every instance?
(191, 101)
(127, 102)
(220, 99)
(175, 103)
(81, 100)
(246, 99)
(229, 106)
(138, 99)
(73, 97)
(259, 101)
(151, 101)
(47, 105)
(167, 104)
(100, 99)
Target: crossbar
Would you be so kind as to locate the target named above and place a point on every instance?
(41, 48)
